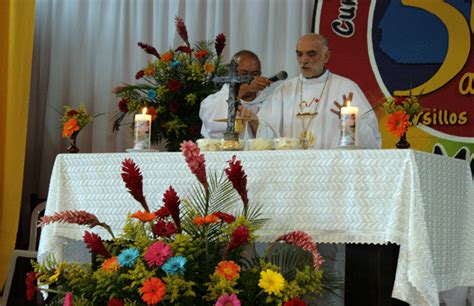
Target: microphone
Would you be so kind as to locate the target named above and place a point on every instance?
(282, 75)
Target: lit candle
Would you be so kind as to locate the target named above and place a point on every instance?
(349, 128)
(142, 131)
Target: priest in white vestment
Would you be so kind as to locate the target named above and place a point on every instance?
(251, 96)
(318, 93)
(315, 91)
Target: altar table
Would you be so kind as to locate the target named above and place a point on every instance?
(420, 201)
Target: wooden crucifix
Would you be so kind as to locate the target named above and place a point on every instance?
(234, 82)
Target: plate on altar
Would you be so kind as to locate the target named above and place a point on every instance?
(141, 150)
(237, 118)
(349, 148)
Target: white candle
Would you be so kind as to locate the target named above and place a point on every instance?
(142, 131)
(349, 125)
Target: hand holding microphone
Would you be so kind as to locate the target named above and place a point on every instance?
(249, 91)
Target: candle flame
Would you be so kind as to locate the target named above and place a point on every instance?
(144, 111)
(349, 103)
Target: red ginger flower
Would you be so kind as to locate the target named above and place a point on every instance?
(149, 49)
(399, 100)
(134, 181)
(115, 302)
(220, 43)
(184, 49)
(196, 161)
(238, 178)
(181, 29)
(304, 241)
(123, 107)
(140, 74)
(80, 217)
(174, 85)
(295, 302)
(227, 218)
(71, 113)
(30, 285)
(163, 229)
(240, 237)
(95, 245)
(171, 200)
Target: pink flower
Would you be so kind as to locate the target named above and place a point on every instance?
(238, 178)
(196, 161)
(304, 241)
(228, 300)
(157, 254)
(68, 299)
(30, 285)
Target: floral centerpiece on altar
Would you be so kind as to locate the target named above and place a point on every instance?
(73, 121)
(401, 112)
(173, 86)
(195, 251)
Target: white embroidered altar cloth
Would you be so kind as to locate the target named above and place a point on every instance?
(423, 202)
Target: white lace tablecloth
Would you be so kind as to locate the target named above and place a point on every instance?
(423, 202)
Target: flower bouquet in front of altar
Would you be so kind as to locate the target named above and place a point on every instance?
(194, 251)
(172, 87)
(401, 111)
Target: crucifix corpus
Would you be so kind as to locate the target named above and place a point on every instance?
(231, 137)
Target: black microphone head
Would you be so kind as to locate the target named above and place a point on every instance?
(282, 75)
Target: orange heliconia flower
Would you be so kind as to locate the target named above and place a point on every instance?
(143, 216)
(397, 123)
(110, 264)
(211, 219)
(198, 220)
(149, 71)
(166, 57)
(228, 269)
(70, 127)
(153, 290)
(209, 68)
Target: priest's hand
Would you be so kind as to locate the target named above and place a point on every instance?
(251, 117)
(248, 92)
(337, 109)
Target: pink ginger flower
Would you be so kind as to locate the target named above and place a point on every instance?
(80, 217)
(68, 299)
(304, 241)
(238, 178)
(228, 300)
(157, 254)
(196, 161)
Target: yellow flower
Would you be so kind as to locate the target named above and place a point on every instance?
(271, 282)
(190, 98)
(54, 278)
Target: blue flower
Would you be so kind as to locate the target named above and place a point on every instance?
(174, 265)
(151, 94)
(128, 257)
(175, 64)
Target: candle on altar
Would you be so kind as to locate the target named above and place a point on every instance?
(142, 131)
(349, 125)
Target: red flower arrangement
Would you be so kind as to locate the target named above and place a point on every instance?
(174, 85)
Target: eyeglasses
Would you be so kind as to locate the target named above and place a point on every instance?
(252, 73)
